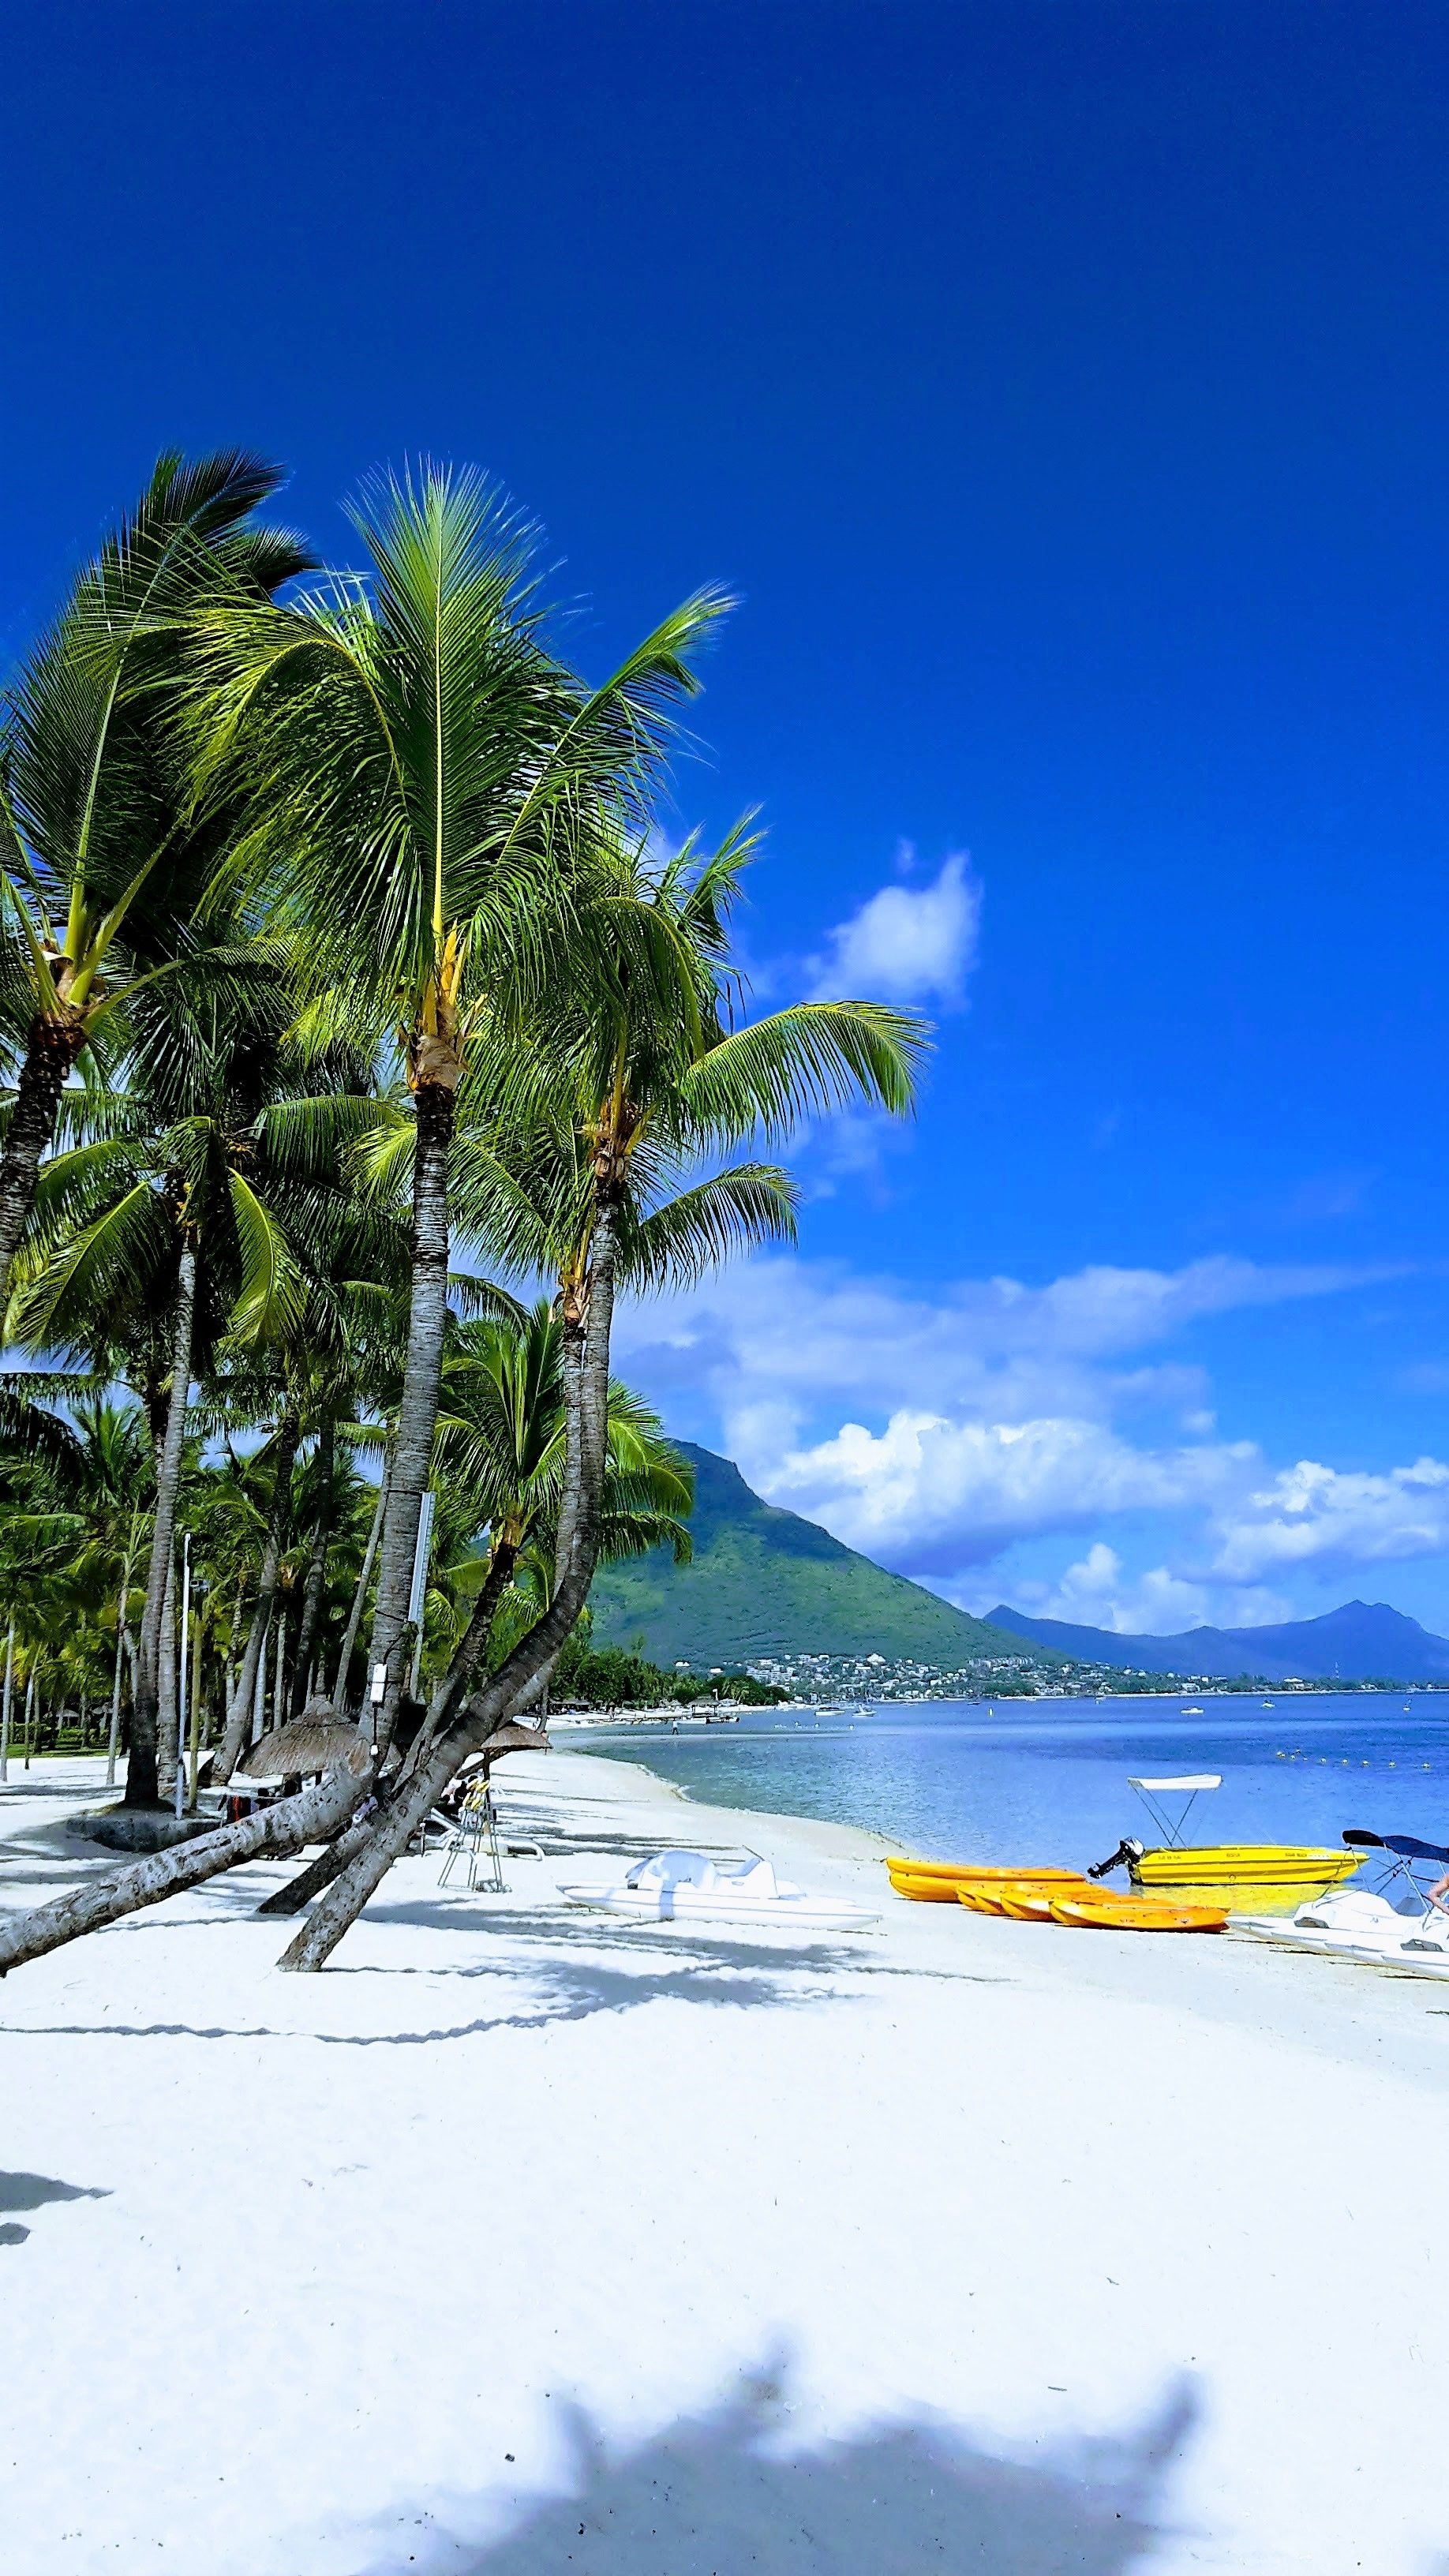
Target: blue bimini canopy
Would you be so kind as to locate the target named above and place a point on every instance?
(1407, 1848)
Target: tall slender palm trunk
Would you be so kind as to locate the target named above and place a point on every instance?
(168, 1713)
(442, 1753)
(244, 1690)
(417, 1419)
(114, 1736)
(51, 1049)
(311, 1620)
(141, 1771)
(359, 1598)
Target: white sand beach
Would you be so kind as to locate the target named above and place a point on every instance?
(532, 2240)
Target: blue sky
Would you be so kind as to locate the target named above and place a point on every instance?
(1063, 387)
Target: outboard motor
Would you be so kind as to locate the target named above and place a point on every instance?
(1127, 1850)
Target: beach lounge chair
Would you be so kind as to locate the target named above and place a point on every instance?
(476, 1835)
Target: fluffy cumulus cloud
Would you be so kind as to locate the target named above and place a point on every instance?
(807, 1341)
(934, 1432)
(1310, 1513)
(907, 943)
(1098, 1592)
(943, 1494)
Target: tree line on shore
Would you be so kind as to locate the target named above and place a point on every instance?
(368, 1037)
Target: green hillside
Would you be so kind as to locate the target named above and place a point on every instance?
(764, 1582)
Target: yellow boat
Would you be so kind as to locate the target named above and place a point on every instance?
(1246, 1878)
(1242, 1878)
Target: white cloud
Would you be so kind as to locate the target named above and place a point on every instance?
(825, 1343)
(929, 1492)
(934, 1431)
(906, 944)
(1311, 1512)
(1098, 1593)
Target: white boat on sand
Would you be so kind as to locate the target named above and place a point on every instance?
(1356, 1924)
(689, 1887)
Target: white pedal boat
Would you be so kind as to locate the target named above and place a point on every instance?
(1358, 1925)
(689, 1887)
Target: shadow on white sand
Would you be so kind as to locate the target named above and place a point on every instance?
(30, 2191)
(727, 2494)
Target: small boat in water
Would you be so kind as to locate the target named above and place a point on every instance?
(1251, 1878)
(690, 1887)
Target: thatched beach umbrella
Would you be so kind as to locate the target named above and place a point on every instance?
(303, 1745)
(506, 1739)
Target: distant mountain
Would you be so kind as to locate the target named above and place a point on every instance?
(1364, 1641)
(764, 1582)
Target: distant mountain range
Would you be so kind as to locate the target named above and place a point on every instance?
(764, 1582)
(1364, 1641)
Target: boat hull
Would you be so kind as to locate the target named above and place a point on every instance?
(702, 1905)
(1246, 1878)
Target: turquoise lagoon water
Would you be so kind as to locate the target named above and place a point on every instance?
(1046, 1780)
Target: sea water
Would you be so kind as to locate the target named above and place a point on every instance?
(1046, 1780)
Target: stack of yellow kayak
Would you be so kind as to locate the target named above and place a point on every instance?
(1047, 1896)
(940, 1882)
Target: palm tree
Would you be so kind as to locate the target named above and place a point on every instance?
(158, 1214)
(454, 834)
(423, 780)
(101, 864)
(500, 1456)
(607, 1190)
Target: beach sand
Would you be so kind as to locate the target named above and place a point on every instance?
(526, 2240)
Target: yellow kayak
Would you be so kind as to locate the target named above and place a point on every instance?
(1103, 1912)
(924, 1891)
(976, 1889)
(1031, 1901)
(973, 1873)
(995, 1891)
(1243, 1878)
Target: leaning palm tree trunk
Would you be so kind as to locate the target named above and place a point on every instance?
(468, 1730)
(417, 1419)
(278, 1830)
(239, 1712)
(141, 1776)
(472, 1646)
(52, 1047)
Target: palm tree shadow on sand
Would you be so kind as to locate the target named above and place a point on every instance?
(724, 2494)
